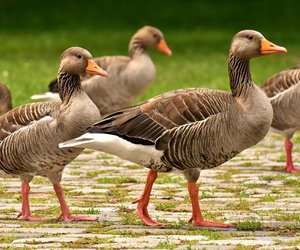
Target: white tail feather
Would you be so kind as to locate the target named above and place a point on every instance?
(115, 145)
(48, 96)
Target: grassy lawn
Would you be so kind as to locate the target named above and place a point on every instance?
(33, 35)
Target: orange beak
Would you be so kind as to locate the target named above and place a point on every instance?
(94, 69)
(268, 48)
(163, 47)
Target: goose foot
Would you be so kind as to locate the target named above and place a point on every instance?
(65, 211)
(143, 201)
(291, 169)
(25, 213)
(143, 213)
(30, 218)
(205, 223)
(69, 217)
(197, 215)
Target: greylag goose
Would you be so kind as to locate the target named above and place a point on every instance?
(128, 76)
(5, 99)
(190, 129)
(30, 134)
(283, 90)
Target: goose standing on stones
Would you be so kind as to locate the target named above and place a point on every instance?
(128, 76)
(283, 90)
(30, 134)
(5, 99)
(190, 129)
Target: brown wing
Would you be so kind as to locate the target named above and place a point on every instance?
(146, 122)
(23, 116)
(281, 81)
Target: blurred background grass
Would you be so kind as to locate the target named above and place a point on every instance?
(33, 34)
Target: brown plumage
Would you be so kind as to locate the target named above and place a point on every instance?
(190, 129)
(283, 89)
(5, 99)
(149, 120)
(30, 134)
(129, 76)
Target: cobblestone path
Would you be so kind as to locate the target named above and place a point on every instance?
(251, 191)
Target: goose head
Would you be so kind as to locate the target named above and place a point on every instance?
(76, 61)
(248, 44)
(151, 37)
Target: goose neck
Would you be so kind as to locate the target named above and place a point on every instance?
(68, 85)
(239, 75)
(136, 47)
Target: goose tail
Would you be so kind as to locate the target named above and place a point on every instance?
(96, 141)
(79, 142)
(48, 96)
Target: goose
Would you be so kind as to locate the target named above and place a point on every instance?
(283, 90)
(30, 134)
(129, 76)
(189, 129)
(5, 99)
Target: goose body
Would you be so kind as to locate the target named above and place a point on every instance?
(283, 90)
(190, 129)
(39, 122)
(186, 114)
(30, 134)
(5, 99)
(128, 77)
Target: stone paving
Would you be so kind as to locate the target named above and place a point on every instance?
(251, 191)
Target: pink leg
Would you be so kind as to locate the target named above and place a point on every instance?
(143, 201)
(289, 160)
(65, 211)
(197, 215)
(26, 215)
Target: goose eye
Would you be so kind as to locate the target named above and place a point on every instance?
(155, 35)
(79, 56)
(250, 38)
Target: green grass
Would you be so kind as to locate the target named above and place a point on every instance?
(87, 242)
(269, 198)
(211, 234)
(7, 239)
(116, 180)
(41, 181)
(225, 176)
(92, 211)
(270, 178)
(295, 217)
(167, 178)
(95, 173)
(129, 216)
(165, 244)
(246, 247)
(242, 204)
(75, 173)
(166, 206)
(292, 182)
(117, 194)
(249, 225)
(33, 36)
